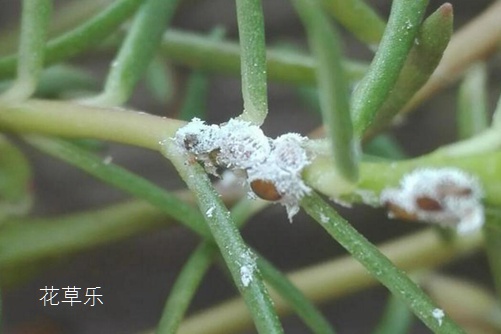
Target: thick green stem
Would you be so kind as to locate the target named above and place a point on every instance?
(239, 258)
(379, 265)
(35, 18)
(253, 60)
(73, 120)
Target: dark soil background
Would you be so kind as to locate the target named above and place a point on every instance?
(136, 274)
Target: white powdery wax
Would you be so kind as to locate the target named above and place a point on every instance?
(239, 145)
(446, 196)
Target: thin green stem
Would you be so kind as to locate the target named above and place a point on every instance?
(474, 42)
(472, 102)
(33, 240)
(337, 278)
(68, 15)
(136, 52)
(159, 80)
(372, 91)
(201, 52)
(34, 21)
(396, 318)
(496, 117)
(358, 18)
(122, 179)
(333, 87)
(197, 88)
(295, 298)
(239, 258)
(82, 38)
(253, 60)
(493, 246)
(185, 287)
(424, 56)
(378, 265)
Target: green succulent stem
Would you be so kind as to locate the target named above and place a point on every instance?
(378, 265)
(370, 94)
(34, 22)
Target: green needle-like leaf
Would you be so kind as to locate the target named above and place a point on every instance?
(496, 117)
(358, 18)
(35, 18)
(122, 179)
(159, 80)
(429, 46)
(27, 242)
(138, 48)
(396, 319)
(333, 87)
(15, 181)
(296, 299)
(89, 34)
(253, 60)
(201, 52)
(185, 287)
(239, 259)
(385, 146)
(194, 104)
(472, 102)
(493, 245)
(373, 90)
(378, 265)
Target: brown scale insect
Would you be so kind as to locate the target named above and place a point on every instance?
(265, 189)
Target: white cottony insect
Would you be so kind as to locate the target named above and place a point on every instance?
(446, 196)
(439, 315)
(273, 166)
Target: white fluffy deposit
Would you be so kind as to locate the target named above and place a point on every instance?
(445, 196)
(273, 166)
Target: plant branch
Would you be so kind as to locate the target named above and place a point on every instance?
(185, 287)
(378, 264)
(239, 259)
(253, 60)
(475, 41)
(136, 52)
(202, 52)
(372, 91)
(89, 34)
(358, 18)
(337, 278)
(333, 88)
(34, 21)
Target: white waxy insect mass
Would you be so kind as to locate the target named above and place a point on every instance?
(273, 166)
(446, 196)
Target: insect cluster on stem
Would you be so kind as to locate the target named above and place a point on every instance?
(272, 166)
(445, 196)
